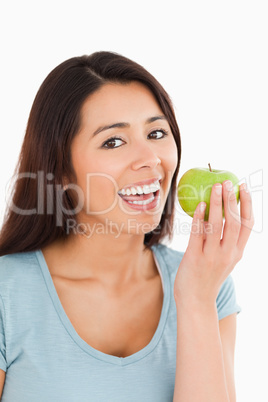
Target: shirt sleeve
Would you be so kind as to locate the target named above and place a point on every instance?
(3, 362)
(226, 299)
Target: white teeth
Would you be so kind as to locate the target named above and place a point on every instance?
(154, 188)
(142, 202)
(146, 189)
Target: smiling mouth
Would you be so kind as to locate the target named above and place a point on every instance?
(143, 196)
(142, 202)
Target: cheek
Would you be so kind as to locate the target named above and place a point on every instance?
(101, 193)
(104, 164)
(173, 160)
(101, 172)
(170, 158)
(169, 163)
(97, 178)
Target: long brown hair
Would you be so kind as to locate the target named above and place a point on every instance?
(54, 121)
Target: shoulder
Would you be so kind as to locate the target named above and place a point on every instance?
(16, 269)
(16, 261)
(168, 256)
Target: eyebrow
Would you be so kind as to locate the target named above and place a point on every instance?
(124, 125)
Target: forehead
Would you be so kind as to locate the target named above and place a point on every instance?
(119, 101)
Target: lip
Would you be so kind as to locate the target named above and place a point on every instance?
(142, 183)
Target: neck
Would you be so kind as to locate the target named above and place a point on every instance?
(115, 261)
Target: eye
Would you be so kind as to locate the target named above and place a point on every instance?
(113, 142)
(158, 134)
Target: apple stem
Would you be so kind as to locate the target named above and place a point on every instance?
(209, 167)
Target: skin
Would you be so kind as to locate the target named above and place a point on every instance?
(117, 277)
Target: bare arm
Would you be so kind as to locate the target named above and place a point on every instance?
(2, 381)
(204, 371)
(227, 327)
(200, 374)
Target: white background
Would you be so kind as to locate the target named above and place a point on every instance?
(211, 56)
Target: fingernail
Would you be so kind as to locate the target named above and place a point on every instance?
(244, 187)
(202, 207)
(218, 189)
(229, 185)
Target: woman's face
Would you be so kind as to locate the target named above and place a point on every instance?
(124, 157)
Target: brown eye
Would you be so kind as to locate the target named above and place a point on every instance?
(158, 134)
(112, 143)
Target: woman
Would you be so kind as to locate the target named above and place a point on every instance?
(93, 306)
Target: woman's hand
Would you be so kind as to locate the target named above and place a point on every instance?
(213, 251)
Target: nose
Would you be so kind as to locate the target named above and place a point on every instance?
(145, 157)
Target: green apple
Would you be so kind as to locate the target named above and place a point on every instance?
(196, 185)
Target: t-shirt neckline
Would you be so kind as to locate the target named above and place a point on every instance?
(162, 268)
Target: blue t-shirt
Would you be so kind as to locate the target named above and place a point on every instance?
(46, 360)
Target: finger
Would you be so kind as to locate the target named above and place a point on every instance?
(247, 218)
(197, 229)
(206, 230)
(232, 217)
(213, 228)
